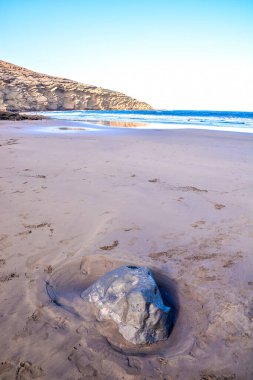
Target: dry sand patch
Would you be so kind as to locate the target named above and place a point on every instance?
(51, 243)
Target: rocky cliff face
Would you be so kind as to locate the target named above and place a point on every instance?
(26, 90)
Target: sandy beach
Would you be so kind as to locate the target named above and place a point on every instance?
(76, 205)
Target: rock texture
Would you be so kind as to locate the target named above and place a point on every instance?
(130, 296)
(26, 90)
(4, 115)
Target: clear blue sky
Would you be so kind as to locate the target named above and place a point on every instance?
(173, 54)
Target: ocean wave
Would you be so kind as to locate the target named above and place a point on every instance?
(162, 119)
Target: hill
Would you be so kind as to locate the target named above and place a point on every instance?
(25, 90)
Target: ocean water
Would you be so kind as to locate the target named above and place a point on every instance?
(211, 120)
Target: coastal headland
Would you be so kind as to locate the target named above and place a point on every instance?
(25, 90)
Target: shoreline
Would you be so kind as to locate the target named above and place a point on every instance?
(54, 127)
(178, 201)
(162, 120)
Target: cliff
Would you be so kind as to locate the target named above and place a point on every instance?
(25, 90)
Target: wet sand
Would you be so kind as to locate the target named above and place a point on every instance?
(76, 205)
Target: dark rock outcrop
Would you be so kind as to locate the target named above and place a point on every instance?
(5, 115)
(25, 90)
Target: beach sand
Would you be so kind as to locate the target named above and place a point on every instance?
(76, 205)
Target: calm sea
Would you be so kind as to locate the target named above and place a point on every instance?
(211, 120)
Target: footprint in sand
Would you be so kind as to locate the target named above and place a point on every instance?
(87, 359)
(48, 269)
(191, 188)
(201, 257)
(2, 262)
(30, 227)
(198, 224)
(26, 371)
(8, 277)
(11, 142)
(4, 242)
(7, 370)
(165, 256)
(24, 233)
(41, 225)
(219, 206)
(110, 247)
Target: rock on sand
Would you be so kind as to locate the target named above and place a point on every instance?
(130, 296)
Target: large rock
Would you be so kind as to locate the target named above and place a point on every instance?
(130, 296)
(25, 90)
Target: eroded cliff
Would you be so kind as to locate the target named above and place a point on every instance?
(25, 90)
